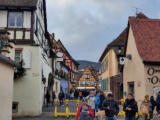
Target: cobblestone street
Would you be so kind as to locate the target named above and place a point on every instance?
(48, 114)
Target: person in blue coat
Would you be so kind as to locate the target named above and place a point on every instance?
(97, 103)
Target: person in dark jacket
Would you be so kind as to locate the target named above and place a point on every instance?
(130, 107)
(158, 103)
(111, 108)
(102, 98)
(53, 96)
(61, 97)
(48, 97)
(76, 94)
(153, 103)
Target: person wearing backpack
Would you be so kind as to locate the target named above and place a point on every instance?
(92, 101)
(146, 108)
(84, 111)
(97, 101)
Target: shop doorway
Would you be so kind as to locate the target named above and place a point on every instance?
(116, 87)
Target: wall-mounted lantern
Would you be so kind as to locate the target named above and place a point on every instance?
(119, 50)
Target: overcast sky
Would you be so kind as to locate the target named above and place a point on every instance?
(86, 26)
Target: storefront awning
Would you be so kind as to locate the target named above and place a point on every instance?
(85, 88)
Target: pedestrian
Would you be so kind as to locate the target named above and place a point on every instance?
(158, 103)
(92, 101)
(153, 102)
(84, 111)
(146, 107)
(48, 97)
(102, 98)
(80, 95)
(61, 97)
(76, 94)
(67, 96)
(97, 102)
(53, 96)
(130, 107)
(111, 108)
(72, 95)
(87, 93)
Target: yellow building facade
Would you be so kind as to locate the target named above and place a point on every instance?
(109, 68)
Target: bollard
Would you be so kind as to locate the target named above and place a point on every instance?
(55, 109)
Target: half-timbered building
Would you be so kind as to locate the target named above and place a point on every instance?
(27, 23)
(88, 79)
(68, 65)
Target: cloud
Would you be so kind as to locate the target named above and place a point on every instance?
(86, 26)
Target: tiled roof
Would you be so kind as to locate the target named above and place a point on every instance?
(147, 37)
(120, 40)
(25, 3)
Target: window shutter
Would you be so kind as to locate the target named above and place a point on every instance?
(27, 58)
(27, 20)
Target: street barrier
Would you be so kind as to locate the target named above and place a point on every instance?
(67, 112)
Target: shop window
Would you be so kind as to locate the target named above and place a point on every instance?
(15, 19)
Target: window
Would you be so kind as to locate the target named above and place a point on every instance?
(86, 76)
(104, 84)
(18, 56)
(36, 25)
(15, 19)
(41, 7)
(92, 83)
(131, 87)
(104, 65)
(15, 107)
